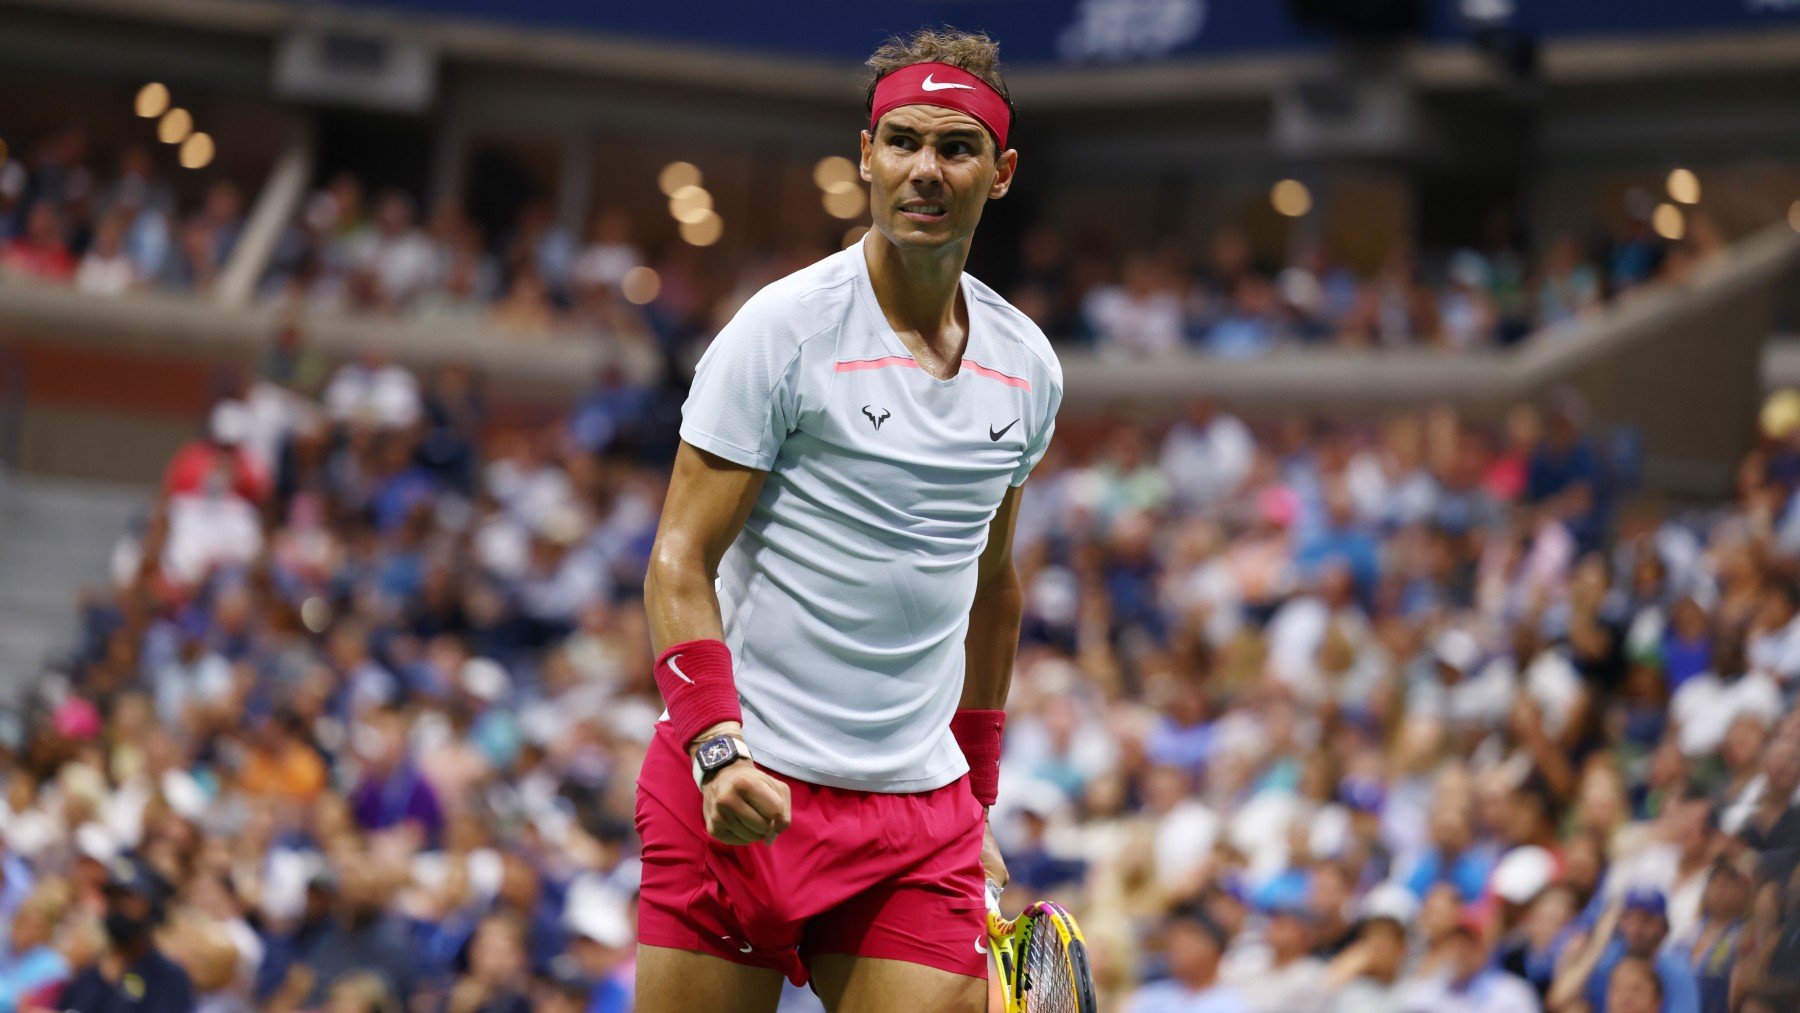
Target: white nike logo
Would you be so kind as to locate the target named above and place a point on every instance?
(679, 674)
(746, 948)
(980, 944)
(929, 85)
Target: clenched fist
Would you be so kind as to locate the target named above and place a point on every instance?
(741, 803)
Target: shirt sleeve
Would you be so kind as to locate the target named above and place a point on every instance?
(1040, 441)
(744, 401)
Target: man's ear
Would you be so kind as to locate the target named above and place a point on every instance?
(1005, 166)
(862, 165)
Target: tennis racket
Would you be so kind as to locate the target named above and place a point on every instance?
(1041, 958)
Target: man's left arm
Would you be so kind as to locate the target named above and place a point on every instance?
(988, 652)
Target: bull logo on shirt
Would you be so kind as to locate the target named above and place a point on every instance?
(876, 420)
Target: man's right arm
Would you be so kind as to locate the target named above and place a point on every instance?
(709, 499)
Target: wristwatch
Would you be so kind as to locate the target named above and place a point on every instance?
(717, 753)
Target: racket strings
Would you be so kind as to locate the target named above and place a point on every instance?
(1049, 982)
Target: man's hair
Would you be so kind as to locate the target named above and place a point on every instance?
(970, 51)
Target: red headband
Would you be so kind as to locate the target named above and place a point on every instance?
(939, 84)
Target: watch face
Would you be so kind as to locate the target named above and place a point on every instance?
(716, 753)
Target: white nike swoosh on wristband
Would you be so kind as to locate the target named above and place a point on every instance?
(929, 85)
(679, 674)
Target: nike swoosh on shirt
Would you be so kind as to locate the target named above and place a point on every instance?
(929, 85)
(679, 674)
(995, 436)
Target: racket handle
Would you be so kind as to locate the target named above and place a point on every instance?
(993, 898)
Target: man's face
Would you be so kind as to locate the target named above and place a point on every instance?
(1642, 931)
(1471, 956)
(1288, 934)
(1193, 955)
(1632, 989)
(1386, 943)
(930, 170)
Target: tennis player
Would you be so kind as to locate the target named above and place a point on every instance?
(832, 594)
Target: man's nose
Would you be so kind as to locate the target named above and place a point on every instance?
(925, 167)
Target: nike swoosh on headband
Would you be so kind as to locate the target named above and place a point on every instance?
(929, 85)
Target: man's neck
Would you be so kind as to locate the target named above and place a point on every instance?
(1200, 982)
(917, 290)
(1282, 959)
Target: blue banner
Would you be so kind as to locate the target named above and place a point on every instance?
(1073, 31)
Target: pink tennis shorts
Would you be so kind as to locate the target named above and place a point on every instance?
(864, 873)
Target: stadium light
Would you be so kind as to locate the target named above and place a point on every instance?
(640, 285)
(690, 204)
(676, 175)
(175, 126)
(854, 234)
(1780, 414)
(1669, 222)
(704, 232)
(152, 100)
(1291, 198)
(197, 151)
(833, 169)
(315, 613)
(1684, 186)
(844, 200)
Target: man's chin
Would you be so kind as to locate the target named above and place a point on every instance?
(909, 235)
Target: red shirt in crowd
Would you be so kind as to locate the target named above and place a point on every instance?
(195, 462)
(33, 260)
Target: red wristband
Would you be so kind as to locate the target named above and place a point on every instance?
(695, 680)
(978, 732)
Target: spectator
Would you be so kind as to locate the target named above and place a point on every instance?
(1141, 316)
(1471, 985)
(132, 973)
(363, 937)
(34, 967)
(1567, 287)
(1634, 988)
(1711, 946)
(394, 256)
(107, 267)
(1369, 972)
(610, 253)
(1641, 920)
(1280, 975)
(1195, 944)
(40, 251)
(220, 460)
(495, 982)
(393, 793)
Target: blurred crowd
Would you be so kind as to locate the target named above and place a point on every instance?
(106, 231)
(1423, 715)
(1427, 717)
(381, 255)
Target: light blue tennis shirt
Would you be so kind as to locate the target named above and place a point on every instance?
(846, 596)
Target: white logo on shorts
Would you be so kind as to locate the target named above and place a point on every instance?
(746, 948)
(980, 944)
